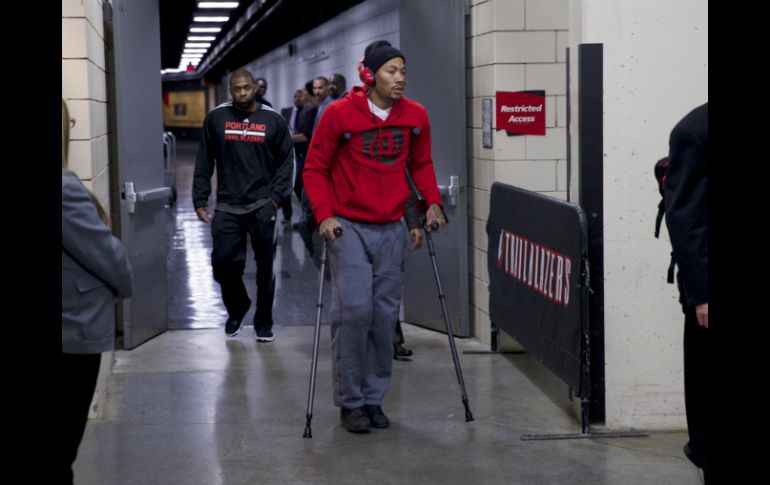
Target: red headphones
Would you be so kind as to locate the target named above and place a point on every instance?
(365, 74)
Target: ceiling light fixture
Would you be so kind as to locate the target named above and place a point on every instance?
(211, 19)
(217, 4)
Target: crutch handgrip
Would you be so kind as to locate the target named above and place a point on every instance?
(434, 226)
(337, 232)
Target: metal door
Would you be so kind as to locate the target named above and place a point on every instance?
(432, 37)
(132, 35)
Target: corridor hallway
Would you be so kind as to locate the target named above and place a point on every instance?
(193, 407)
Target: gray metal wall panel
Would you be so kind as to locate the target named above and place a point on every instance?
(432, 37)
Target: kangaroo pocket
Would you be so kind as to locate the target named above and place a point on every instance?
(380, 191)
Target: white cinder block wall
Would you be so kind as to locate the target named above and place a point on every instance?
(84, 87)
(512, 45)
(655, 72)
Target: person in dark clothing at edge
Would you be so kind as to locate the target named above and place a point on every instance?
(687, 217)
(412, 220)
(355, 179)
(250, 146)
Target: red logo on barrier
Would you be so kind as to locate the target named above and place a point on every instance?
(536, 266)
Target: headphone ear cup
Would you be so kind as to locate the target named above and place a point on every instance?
(370, 79)
(365, 74)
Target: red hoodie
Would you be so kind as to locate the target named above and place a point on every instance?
(356, 164)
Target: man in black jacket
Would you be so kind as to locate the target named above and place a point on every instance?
(687, 218)
(250, 146)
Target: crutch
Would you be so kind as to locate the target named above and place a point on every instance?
(442, 298)
(319, 306)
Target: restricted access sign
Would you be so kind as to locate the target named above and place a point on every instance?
(521, 113)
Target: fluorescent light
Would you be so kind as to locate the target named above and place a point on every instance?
(198, 44)
(210, 19)
(194, 51)
(205, 29)
(201, 37)
(217, 4)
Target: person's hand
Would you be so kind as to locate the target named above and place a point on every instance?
(702, 314)
(416, 236)
(203, 214)
(434, 213)
(327, 227)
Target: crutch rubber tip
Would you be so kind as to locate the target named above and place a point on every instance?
(307, 433)
(468, 415)
(338, 232)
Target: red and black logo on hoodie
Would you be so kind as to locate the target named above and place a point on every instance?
(385, 145)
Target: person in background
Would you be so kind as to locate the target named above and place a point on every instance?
(306, 225)
(337, 86)
(294, 116)
(261, 84)
(95, 272)
(321, 93)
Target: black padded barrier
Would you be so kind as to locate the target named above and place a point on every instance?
(536, 250)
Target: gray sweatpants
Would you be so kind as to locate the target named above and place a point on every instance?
(367, 269)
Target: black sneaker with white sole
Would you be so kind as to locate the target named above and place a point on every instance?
(265, 336)
(233, 326)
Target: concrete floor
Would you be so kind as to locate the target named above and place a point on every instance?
(193, 407)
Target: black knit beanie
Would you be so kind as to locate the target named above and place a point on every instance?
(378, 53)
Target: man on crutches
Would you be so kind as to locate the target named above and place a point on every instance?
(355, 179)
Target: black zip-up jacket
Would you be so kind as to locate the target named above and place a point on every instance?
(252, 153)
(686, 192)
